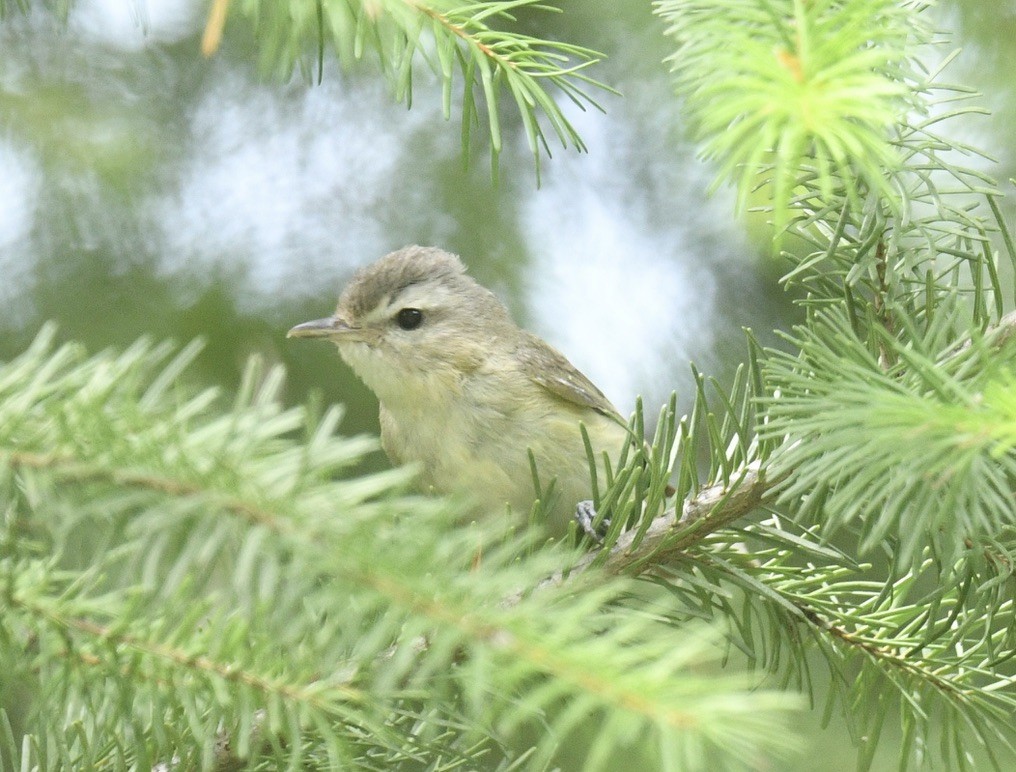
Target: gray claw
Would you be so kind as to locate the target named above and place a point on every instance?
(585, 516)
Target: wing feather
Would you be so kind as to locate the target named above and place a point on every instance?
(549, 368)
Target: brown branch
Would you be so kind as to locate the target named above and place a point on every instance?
(883, 653)
(1005, 330)
(463, 34)
(73, 468)
(228, 671)
(998, 335)
(707, 511)
(212, 35)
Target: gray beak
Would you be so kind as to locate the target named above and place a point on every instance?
(322, 328)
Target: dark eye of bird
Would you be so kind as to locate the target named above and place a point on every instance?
(409, 318)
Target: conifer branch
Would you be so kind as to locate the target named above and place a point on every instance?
(113, 638)
(712, 508)
(72, 469)
(888, 419)
(457, 40)
(210, 622)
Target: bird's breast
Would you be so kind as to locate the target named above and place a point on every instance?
(476, 439)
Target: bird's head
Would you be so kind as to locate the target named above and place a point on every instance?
(413, 316)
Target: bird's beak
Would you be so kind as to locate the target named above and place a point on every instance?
(332, 327)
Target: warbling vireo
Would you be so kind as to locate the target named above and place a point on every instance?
(463, 391)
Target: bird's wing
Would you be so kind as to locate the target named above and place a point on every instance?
(550, 369)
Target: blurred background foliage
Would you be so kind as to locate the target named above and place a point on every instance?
(146, 190)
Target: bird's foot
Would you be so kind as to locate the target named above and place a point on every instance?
(585, 516)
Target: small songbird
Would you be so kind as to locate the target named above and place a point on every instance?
(464, 392)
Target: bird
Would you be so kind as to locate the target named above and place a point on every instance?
(464, 393)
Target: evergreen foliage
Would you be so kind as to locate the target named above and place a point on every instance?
(798, 87)
(178, 580)
(188, 586)
(478, 45)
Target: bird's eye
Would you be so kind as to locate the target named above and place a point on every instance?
(409, 318)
